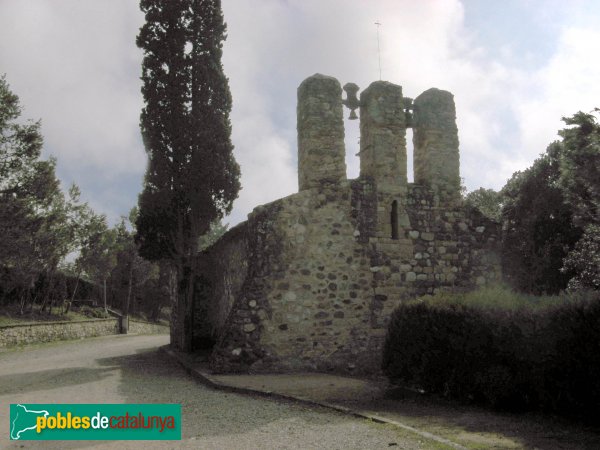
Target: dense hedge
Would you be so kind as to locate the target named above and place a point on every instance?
(523, 357)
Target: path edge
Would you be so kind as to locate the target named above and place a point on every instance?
(206, 379)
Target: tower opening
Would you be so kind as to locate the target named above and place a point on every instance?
(394, 219)
(352, 142)
(410, 149)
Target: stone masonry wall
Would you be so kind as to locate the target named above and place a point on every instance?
(141, 327)
(38, 332)
(437, 249)
(319, 303)
(322, 279)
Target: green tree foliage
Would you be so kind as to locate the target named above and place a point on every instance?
(192, 177)
(37, 222)
(134, 277)
(584, 261)
(86, 225)
(538, 225)
(98, 258)
(28, 186)
(22, 174)
(487, 201)
(580, 166)
(40, 226)
(58, 237)
(547, 207)
(217, 229)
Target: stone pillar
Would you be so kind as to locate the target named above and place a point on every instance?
(435, 139)
(383, 136)
(321, 150)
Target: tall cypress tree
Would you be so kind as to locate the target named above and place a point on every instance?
(192, 177)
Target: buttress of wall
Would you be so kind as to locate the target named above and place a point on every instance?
(238, 346)
(222, 270)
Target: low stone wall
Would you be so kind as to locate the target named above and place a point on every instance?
(39, 332)
(140, 327)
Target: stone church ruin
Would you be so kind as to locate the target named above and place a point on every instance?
(309, 281)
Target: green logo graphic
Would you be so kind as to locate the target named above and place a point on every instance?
(41, 422)
(23, 420)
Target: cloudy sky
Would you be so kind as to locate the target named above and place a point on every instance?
(515, 68)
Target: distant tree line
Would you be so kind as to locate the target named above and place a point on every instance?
(550, 214)
(54, 249)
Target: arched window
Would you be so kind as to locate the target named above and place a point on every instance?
(394, 219)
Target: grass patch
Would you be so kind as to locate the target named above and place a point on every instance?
(502, 298)
(11, 315)
(478, 428)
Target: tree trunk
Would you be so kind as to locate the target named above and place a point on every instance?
(23, 300)
(48, 291)
(104, 295)
(68, 306)
(44, 297)
(180, 302)
(189, 304)
(173, 328)
(34, 299)
(129, 287)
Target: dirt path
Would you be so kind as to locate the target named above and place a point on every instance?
(130, 369)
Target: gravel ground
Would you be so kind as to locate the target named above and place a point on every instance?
(129, 369)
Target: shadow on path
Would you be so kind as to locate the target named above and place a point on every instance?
(51, 379)
(471, 425)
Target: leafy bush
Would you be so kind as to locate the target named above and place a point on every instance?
(501, 349)
(95, 313)
(572, 366)
(584, 261)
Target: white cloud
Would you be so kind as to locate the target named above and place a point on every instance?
(273, 46)
(69, 65)
(75, 65)
(567, 84)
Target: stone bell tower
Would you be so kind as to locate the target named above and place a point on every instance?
(383, 136)
(321, 149)
(436, 159)
(384, 117)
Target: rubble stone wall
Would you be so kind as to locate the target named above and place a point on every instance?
(142, 327)
(39, 332)
(319, 290)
